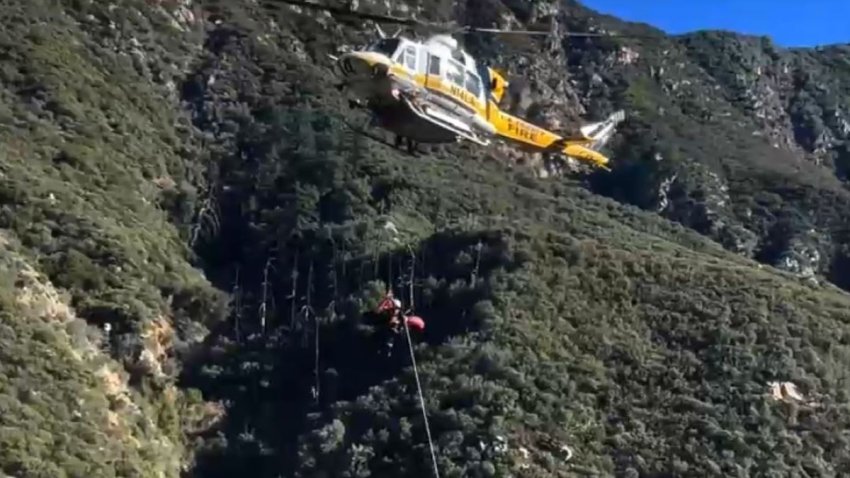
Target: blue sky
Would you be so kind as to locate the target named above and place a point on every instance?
(790, 23)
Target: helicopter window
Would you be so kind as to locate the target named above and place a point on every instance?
(454, 72)
(473, 83)
(434, 66)
(387, 46)
(410, 58)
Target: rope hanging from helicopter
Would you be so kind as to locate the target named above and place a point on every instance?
(411, 306)
(415, 369)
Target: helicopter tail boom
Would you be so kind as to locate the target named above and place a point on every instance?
(535, 138)
(592, 138)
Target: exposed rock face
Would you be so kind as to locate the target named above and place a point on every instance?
(727, 134)
(797, 98)
(711, 119)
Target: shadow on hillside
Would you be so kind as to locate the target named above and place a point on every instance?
(270, 381)
(839, 273)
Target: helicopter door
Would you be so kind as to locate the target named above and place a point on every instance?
(422, 60)
(431, 67)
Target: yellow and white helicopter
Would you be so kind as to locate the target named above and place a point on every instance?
(432, 91)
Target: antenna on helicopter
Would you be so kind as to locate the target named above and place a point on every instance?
(380, 31)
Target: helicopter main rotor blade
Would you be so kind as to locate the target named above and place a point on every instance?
(353, 13)
(550, 32)
(503, 32)
(445, 27)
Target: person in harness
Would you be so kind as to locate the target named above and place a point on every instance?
(390, 308)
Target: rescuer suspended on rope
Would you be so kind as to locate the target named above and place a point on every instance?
(390, 308)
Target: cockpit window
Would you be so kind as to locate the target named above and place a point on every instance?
(386, 46)
(410, 58)
(454, 72)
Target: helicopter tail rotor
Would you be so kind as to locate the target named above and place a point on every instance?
(599, 133)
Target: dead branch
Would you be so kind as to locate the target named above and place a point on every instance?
(263, 304)
(474, 276)
(292, 293)
(237, 299)
(208, 218)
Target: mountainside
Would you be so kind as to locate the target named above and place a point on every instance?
(730, 135)
(192, 237)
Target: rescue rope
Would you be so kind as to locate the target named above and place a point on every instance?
(389, 271)
(422, 401)
(416, 370)
(411, 275)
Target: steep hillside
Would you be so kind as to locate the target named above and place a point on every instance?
(192, 237)
(732, 136)
(96, 167)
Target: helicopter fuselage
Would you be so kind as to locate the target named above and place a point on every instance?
(412, 104)
(433, 92)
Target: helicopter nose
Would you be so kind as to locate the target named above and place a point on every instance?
(351, 65)
(357, 65)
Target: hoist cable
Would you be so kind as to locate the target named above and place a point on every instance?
(416, 370)
(422, 401)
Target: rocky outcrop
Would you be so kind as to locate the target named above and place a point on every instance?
(797, 97)
(714, 121)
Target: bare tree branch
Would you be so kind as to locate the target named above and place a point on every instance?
(292, 294)
(208, 218)
(263, 304)
(237, 306)
(474, 276)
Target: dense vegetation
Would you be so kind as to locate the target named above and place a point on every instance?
(193, 236)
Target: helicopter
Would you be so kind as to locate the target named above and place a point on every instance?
(433, 91)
